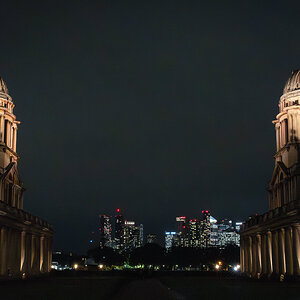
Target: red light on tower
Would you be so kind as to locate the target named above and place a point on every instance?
(118, 210)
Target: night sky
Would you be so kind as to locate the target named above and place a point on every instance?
(160, 108)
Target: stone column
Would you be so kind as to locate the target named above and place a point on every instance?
(15, 139)
(296, 249)
(254, 256)
(8, 133)
(242, 255)
(246, 258)
(264, 254)
(281, 251)
(32, 256)
(269, 253)
(2, 128)
(275, 252)
(258, 254)
(23, 247)
(41, 252)
(289, 250)
(250, 261)
(50, 254)
(3, 251)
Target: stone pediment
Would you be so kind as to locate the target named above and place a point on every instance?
(11, 172)
(279, 168)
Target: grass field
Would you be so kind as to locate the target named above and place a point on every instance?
(131, 286)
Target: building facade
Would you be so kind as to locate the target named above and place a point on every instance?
(213, 232)
(194, 233)
(105, 230)
(169, 239)
(270, 243)
(119, 231)
(151, 238)
(182, 237)
(132, 235)
(205, 230)
(25, 240)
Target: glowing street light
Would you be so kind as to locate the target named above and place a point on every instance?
(75, 266)
(236, 268)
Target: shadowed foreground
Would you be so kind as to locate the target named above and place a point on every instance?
(177, 287)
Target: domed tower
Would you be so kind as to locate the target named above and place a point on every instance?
(285, 183)
(11, 187)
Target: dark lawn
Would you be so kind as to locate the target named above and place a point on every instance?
(131, 286)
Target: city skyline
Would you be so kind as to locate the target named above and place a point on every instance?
(162, 109)
(112, 229)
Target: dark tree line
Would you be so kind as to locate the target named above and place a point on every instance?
(155, 255)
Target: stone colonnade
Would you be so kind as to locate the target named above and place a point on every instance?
(24, 254)
(272, 252)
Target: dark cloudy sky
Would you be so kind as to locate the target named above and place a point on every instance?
(161, 108)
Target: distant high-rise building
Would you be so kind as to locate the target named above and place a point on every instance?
(129, 235)
(169, 239)
(119, 230)
(227, 233)
(151, 238)
(229, 236)
(213, 232)
(105, 231)
(194, 233)
(181, 239)
(141, 236)
(225, 224)
(133, 235)
(181, 224)
(238, 226)
(205, 229)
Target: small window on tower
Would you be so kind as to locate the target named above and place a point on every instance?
(286, 131)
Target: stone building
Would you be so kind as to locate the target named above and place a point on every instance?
(270, 243)
(25, 240)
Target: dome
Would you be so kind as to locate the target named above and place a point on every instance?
(293, 83)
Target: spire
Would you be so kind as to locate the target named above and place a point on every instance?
(3, 87)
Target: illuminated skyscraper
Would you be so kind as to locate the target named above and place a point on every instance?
(205, 229)
(141, 236)
(169, 239)
(119, 230)
(133, 235)
(194, 233)
(229, 236)
(129, 235)
(238, 226)
(181, 239)
(151, 238)
(105, 231)
(213, 232)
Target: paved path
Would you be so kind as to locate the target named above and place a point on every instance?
(147, 289)
(171, 287)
